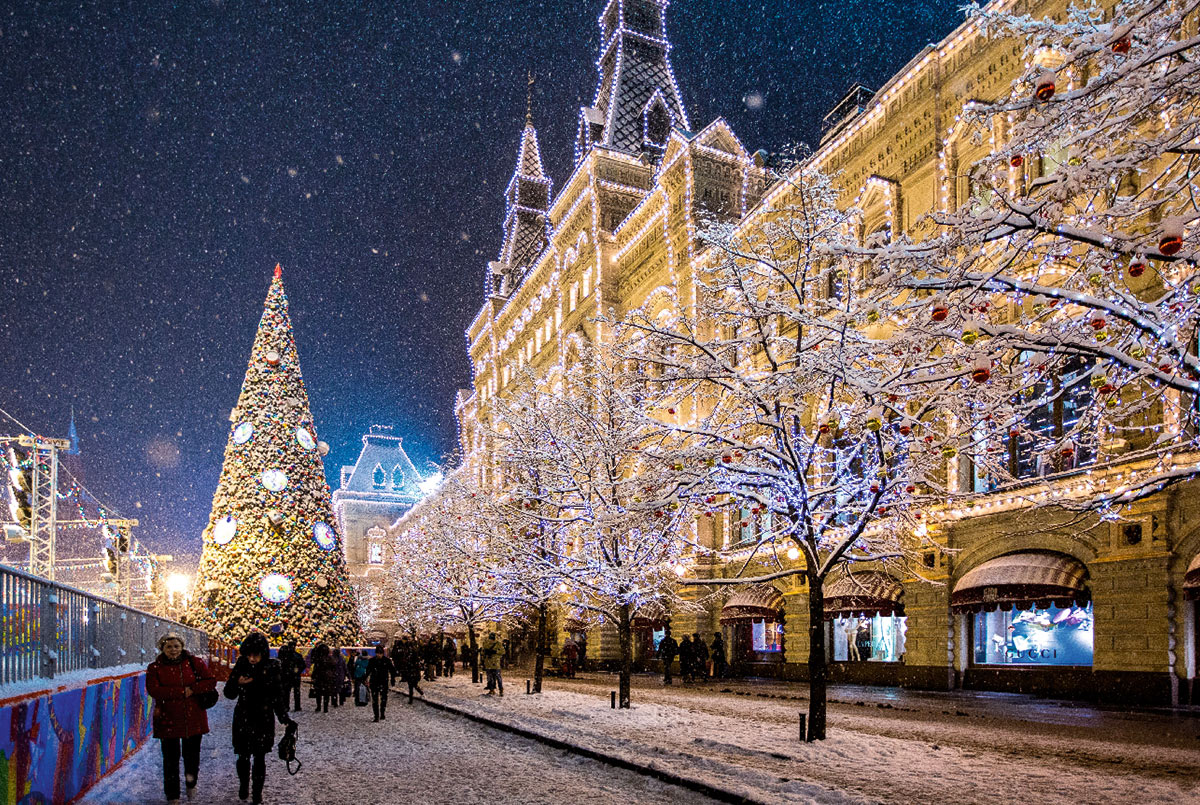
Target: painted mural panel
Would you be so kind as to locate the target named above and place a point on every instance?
(54, 748)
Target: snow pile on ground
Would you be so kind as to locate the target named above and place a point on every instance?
(417, 755)
(750, 745)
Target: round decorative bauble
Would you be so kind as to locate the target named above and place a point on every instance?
(323, 448)
(273, 358)
(305, 438)
(275, 588)
(324, 537)
(224, 529)
(242, 433)
(274, 480)
(321, 581)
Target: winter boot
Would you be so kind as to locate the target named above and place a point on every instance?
(243, 770)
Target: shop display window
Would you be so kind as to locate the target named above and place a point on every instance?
(768, 636)
(658, 636)
(1052, 636)
(878, 638)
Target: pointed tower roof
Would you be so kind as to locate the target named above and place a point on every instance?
(637, 100)
(72, 436)
(526, 217)
(272, 558)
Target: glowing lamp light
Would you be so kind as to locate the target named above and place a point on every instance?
(793, 553)
(562, 586)
(680, 570)
(178, 584)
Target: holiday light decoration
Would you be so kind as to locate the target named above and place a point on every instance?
(268, 538)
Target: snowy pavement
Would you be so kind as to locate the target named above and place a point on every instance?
(875, 752)
(417, 755)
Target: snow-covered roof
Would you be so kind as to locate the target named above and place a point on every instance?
(383, 452)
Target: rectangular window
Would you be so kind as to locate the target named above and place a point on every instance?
(574, 295)
(1053, 636)
(1048, 425)
(768, 636)
(376, 555)
(877, 638)
(587, 283)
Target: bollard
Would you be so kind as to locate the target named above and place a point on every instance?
(613, 700)
(803, 731)
(528, 687)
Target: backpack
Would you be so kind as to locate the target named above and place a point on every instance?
(287, 747)
(209, 698)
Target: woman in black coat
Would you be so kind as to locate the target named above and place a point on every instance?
(257, 684)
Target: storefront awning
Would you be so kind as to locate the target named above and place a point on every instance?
(866, 592)
(750, 603)
(1021, 580)
(1191, 581)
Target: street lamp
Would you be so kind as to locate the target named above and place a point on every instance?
(178, 584)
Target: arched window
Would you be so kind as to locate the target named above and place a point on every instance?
(656, 122)
(397, 477)
(379, 477)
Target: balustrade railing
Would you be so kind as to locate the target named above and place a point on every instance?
(48, 629)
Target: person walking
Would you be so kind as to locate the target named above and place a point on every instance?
(173, 681)
(343, 676)
(667, 649)
(359, 672)
(686, 658)
(492, 651)
(395, 654)
(378, 675)
(570, 653)
(718, 656)
(324, 677)
(449, 652)
(256, 684)
(431, 656)
(291, 668)
(699, 656)
(413, 665)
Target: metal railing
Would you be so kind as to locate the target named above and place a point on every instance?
(47, 629)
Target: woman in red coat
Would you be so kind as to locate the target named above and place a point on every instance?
(173, 681)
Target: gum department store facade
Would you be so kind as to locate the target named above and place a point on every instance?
(1106, 611)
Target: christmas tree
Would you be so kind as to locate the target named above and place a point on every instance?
(272, 557)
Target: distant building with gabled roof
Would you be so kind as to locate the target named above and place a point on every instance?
(375, 492)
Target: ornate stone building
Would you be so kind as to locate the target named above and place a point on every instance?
(380, 487)
(622, 230)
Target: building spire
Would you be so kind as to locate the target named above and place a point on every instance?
(73, 436)
(527, 211)
(637, 101)
(529, 101)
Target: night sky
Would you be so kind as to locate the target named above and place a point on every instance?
(157, 160)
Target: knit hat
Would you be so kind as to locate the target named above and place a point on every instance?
(255, 643)
(162, 641)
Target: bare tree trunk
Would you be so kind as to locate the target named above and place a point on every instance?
(818, 668)
(474, 654)
(625, 634)
(543, 640)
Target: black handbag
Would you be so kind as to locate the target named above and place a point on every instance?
(287, 747)
(207, 699)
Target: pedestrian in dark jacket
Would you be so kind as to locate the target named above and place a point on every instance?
(449, 652)
(324, 677)
(291, 668)
(358, 671)
(432, 656)
(256, 684)
(686, 659)
(667, 649)
(699, 656)
(378, 676)
(173, 681)
(413, 665)
(343, 676)
(718, 656)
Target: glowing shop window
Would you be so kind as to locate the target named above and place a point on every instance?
(659, 634)
(375, 554)
(1053, 636)
(878, 638)
(768, 636)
